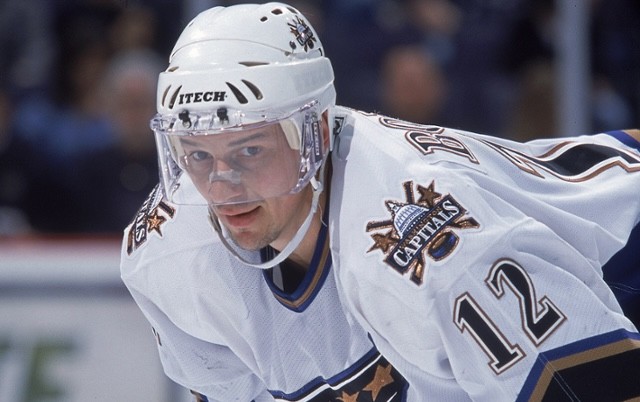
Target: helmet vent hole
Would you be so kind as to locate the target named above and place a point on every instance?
(164, 94)
(263, 19)
(174, 96)
(252, 63)
(254, 89)
(276, 11)
(293, 10)
(238, 94)
(172, 69)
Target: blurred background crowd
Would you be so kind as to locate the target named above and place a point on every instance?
(77, 86)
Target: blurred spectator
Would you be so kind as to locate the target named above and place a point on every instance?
(481, 92)
(533, 114)
(528, 58)
(68, 121)
(438, 22)
(356, 36)
(27, 50)
(116, 180)
(15, 175)
(134, 28)
(26, 46)
(413, 85)
(615, 64)
(615, 51)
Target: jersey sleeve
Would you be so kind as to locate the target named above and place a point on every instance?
(160, 239)
(513, 310)
(212, 371)
(531, 318)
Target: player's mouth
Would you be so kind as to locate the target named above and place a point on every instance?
(237, 216)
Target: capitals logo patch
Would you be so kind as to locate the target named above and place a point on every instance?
(419, 229)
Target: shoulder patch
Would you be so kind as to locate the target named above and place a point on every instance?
(418, 229)
(152, 215)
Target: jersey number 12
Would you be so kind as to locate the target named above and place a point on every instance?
(540, 318)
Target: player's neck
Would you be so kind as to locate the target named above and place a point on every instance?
(303, 254)
(292, 271)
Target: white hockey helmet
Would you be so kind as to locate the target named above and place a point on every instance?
(243, 69)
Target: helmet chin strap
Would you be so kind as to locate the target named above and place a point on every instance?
(316, 187)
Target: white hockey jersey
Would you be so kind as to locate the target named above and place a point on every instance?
(454, 267)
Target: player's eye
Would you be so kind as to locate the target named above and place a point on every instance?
(199, 156)
(198, 161)
(249, 151)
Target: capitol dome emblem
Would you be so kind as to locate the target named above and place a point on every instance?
(418, 229)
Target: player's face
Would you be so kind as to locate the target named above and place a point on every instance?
(243, 176)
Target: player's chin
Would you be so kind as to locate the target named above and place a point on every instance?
(248, 241)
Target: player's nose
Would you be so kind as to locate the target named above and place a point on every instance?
(225, 184)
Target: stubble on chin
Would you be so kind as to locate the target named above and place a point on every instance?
(251, 241)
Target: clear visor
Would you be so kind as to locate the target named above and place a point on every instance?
(233, 157)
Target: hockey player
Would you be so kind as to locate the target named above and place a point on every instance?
(362, 258)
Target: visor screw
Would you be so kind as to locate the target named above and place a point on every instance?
(184, 117)
(223, 114)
